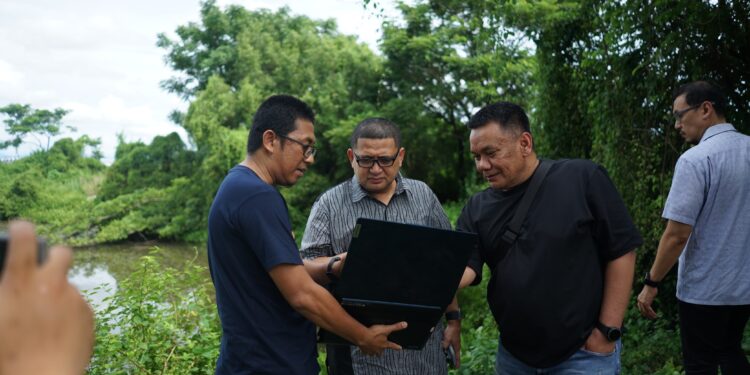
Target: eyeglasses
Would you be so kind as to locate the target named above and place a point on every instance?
(678, 114)
(368, 162)
(307, 149)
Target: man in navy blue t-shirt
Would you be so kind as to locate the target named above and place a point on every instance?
(263, 292)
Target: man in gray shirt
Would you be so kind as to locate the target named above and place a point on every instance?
(708, 222)
(377, 191)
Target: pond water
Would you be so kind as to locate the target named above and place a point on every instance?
(104, 265)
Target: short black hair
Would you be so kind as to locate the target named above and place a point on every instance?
(702, 91)
(509, 116)
(376, 128)
(277, 113)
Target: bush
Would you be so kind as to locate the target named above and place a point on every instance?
(159, 321)
(650, 347)
(478, 330)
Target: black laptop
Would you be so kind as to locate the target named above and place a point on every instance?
(401, 272)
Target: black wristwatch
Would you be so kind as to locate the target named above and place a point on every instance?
(647, 281)
(453, 315)
(611, 333)
(329, 268)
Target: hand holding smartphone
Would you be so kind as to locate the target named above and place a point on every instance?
(47, 327)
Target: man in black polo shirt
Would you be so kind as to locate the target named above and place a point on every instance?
(560, 291)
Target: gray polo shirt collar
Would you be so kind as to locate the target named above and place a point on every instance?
(358, 193)
(717, 129)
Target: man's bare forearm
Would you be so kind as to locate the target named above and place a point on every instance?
(671, 244)
(467, 278)
(316, 304)
(618, 283)
(317, 269)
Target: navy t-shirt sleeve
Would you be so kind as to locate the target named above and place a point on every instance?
(265, 226)
(614, 230)
(465, 223)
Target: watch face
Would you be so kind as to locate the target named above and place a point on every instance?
(614, 334)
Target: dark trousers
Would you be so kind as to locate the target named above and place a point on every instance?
(712, 337)
(339, 360)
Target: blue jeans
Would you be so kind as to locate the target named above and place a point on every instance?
(581, 362)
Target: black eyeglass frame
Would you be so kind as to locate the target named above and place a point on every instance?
(678, 114)
(307, 149)
(383, 162)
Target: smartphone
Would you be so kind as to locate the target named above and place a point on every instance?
(41, 253)
(450, 356)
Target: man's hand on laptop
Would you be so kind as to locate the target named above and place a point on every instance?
(377, 338)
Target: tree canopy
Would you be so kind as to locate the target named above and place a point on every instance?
(444, 61)
(23, 121)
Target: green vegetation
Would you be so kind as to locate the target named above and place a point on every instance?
(52, 188)
(595, 76)
(21, 121)
(161, 320)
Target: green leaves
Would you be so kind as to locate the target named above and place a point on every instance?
(236, 58)
(160, 320)
(443, 62)
(22, 121)
(139, 166)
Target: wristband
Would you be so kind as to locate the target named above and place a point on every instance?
(329, 268)
(453, 315)
(647, 281)
(611, 333)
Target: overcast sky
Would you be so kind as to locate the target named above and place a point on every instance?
(98, 58)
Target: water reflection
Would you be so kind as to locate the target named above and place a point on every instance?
(96, 284)
(96, 269)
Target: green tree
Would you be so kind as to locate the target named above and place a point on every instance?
(234, 59)
(602, 79)
(140, 166)
(260, 53)
(70, 154)
(23, 121)
(444, 61)
(52, 188)
(606, 72)
(229, 63)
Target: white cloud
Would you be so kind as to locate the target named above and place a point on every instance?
(9, 75)
(111, 107)
(99, 58)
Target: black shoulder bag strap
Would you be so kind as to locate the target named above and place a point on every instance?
(514, 227)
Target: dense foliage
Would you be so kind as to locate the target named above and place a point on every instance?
(606, 71)
(160, 320)
(442, 62)
(51, 187)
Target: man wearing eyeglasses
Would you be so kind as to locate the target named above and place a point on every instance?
(264, 294)
(708, 217)
(376, 191)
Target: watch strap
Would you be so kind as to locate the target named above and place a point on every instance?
(611, 333)
(453, 315)
(647, 281)
(329, 269)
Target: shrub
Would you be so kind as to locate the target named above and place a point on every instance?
(159, 321)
